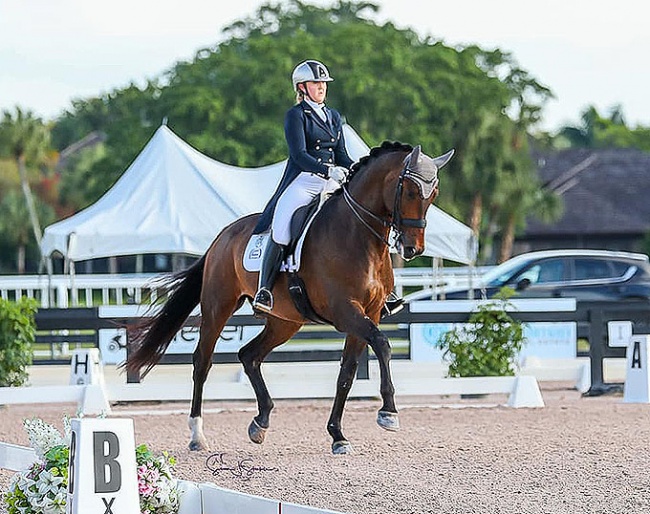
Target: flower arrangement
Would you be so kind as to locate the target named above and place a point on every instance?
(157, 487)
(43, 488)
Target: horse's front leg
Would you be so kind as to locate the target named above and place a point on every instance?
(362, 330)
(349, 364)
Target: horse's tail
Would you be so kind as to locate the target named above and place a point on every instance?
(150, 337)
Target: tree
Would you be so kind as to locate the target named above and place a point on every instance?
(523, 197)
(15, 226)
(390, 84)
(598, 131)
(27, 139)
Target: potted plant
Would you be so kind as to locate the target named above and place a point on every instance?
(488, 344)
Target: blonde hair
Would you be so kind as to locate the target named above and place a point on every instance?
(300, 96)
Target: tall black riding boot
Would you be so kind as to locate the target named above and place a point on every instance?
(273, 255)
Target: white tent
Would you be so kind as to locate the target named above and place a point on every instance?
(173, 199)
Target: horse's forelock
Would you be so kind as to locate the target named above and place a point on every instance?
(385, 148)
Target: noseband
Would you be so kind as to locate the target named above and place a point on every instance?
(395, 220)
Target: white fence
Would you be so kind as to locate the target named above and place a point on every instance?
(93, 290)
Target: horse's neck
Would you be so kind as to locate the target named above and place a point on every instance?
(369, 192)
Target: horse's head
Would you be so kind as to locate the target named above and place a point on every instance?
(400, 198)
(416, 187)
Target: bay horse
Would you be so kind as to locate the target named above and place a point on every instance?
(346, 268)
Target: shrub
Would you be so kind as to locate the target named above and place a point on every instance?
(17, 329)
(488, 344)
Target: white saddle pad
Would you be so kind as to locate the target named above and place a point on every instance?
(255, 251)
(257, 243)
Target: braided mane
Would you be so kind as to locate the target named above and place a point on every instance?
(384, 148)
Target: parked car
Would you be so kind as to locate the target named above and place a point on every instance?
(580, 274)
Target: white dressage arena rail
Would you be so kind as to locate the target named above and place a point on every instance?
(119, 289)
(195, 498)
(318, 380)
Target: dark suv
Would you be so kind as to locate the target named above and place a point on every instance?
(580, 274)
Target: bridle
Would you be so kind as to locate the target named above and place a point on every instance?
(395, 220)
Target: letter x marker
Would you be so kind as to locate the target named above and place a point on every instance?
(108, 505)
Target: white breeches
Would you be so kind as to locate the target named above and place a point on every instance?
(300, 192)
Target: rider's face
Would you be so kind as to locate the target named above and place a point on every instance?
(317, 91)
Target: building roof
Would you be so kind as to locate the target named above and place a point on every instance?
(604, 191)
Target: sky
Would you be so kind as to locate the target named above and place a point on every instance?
(588, 52)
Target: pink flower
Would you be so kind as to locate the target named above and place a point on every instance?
(145, 489)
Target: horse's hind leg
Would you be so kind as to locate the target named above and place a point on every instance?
(251, 356)
(213, 320)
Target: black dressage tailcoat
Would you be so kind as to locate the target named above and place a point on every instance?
(314, 145)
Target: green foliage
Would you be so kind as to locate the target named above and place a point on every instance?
(24, 136)
(81, 181)
(229, 101)
(598, 131)
(17, 335)
(57, 459)
(16, 231)
(390, 84)
(143, 454)
(488, 344)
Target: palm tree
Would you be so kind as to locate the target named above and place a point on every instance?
(481, 161)
(14, 225)
(27, 139)
(523, 197)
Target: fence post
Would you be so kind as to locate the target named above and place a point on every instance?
(132, 377)
(596, 335)
(598, 350)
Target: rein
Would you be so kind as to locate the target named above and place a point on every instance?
(354, 205)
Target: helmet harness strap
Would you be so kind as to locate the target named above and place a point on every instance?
(305, 91)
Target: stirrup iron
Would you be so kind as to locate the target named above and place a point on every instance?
(263, 300)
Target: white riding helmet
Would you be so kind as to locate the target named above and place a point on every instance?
(310, 71)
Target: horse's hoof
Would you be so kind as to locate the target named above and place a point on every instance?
(388, 420)
(197, 446)
(256, 433)
(341, 447)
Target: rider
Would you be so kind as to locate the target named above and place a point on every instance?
(318, 161)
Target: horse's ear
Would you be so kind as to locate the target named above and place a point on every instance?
(443, 159)
(415, 155)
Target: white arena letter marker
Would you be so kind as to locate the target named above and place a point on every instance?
(102, 476)
(637, 375)
(86, 367)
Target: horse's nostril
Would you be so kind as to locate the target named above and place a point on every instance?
(410, 252)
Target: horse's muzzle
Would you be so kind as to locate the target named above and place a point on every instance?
(408, 252)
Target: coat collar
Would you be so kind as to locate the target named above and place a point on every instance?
(310, 112)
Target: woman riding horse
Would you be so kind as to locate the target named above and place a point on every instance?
(347, 276)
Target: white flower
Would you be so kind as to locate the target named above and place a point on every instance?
(67, 430)
(42, 436)
(47, 482)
